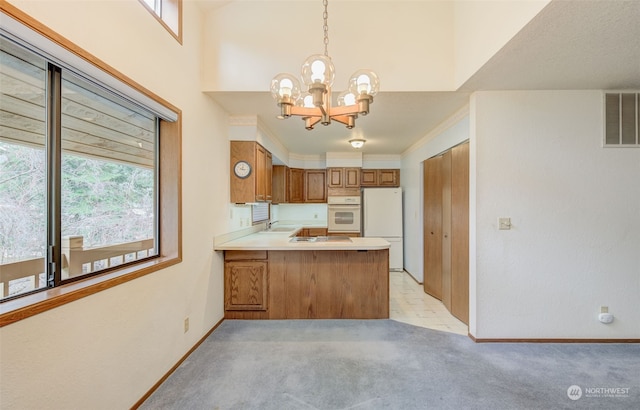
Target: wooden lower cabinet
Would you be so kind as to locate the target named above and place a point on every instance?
(246, 280)
(311, 284)
(349, 234)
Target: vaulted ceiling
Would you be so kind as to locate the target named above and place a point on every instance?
(567, 45)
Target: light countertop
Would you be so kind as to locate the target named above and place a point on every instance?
(279, 239)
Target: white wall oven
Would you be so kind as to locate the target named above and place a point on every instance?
(343, 213)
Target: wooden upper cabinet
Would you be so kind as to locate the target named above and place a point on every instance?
(269, 177)
(369, 177)
(389, 177)
(261, 175)
(280, 184)
(380, 177)
(352, 177)
(296, 185)
(257, 185)
(343, 177)
(315, 186)
(335, 177)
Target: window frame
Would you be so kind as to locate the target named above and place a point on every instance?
(161, 18)
(169, 200)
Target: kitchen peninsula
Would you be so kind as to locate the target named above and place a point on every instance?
(272, 274)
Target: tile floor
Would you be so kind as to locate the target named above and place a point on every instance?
(409, 304)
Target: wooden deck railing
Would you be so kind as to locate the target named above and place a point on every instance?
(76, 261)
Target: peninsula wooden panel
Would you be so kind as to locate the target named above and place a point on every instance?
(433, 227)
(329, 284)
(460, 232)
(310, 284)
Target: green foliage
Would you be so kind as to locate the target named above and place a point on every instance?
(103, 201)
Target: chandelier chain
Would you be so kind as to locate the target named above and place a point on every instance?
(325, 27)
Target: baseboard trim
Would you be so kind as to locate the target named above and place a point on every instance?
(506, 340)
(175, 366)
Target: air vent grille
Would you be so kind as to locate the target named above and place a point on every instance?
(622, 115)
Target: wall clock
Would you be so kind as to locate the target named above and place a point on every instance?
(242, 169)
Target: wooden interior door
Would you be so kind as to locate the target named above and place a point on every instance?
(460, 232)
(432, 227)
(446, 229)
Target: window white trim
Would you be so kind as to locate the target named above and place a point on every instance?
(59, 55)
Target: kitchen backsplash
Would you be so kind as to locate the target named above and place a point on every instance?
(316, 213)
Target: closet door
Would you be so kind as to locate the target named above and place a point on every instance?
(446, 229)
(460, 232)
(432, 227)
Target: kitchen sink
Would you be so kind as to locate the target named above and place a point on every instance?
(337, 238)
(279, 229)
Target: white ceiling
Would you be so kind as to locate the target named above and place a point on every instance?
(568, 45)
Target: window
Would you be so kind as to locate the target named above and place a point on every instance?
(98, 168)
(23, 203)
(260, 212)
(622, 117)
(168, 13)
(87, 160)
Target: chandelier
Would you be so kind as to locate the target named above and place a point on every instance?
(314, 105)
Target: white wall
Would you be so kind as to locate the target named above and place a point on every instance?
(537, 158)
(107, 350)
(451, 133)
(279, 35)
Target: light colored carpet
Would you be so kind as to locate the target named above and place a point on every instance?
(384, 364)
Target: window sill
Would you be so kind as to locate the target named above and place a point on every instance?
(22, 308)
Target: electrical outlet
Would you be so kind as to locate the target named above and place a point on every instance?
(186, 324)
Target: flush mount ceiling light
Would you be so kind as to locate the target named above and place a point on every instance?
(315, 105)
(357, 142)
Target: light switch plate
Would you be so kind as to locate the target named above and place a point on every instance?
(504, 223)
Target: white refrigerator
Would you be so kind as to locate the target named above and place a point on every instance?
(382, 218)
